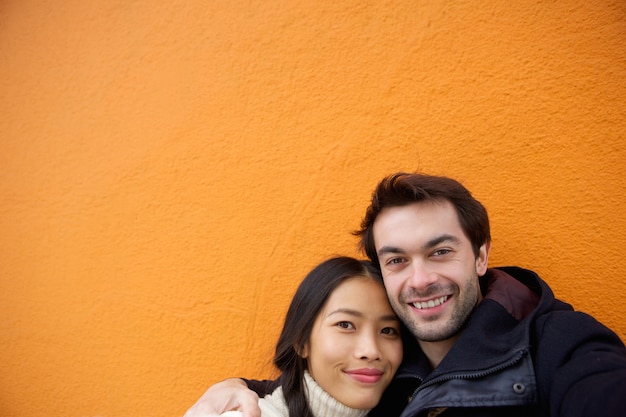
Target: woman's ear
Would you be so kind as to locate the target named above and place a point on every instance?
(302, 351)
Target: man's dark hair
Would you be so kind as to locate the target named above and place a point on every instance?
(402, 189)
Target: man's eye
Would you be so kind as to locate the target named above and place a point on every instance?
(440, 252)
(394, 261)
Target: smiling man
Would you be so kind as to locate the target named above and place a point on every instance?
(430, 271)
(486, 341)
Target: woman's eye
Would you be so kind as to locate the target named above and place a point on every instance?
(390, 331)
(345, 325)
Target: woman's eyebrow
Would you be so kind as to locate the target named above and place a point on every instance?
(356, 313)
(390, 317)
(346, 311)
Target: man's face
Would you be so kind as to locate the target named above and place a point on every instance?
(429, 268)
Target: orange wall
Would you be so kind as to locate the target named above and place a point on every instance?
(171, 170)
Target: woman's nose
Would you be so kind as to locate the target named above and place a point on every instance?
(367, 348)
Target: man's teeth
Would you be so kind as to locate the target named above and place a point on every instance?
(431, 303)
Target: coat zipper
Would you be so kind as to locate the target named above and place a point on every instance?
(514, 360)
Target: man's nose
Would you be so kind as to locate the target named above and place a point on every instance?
(420, 276)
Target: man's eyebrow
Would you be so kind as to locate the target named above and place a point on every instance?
(428, 245)
(389, 249)
(441, 239)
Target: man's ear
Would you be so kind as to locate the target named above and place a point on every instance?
(482, 260)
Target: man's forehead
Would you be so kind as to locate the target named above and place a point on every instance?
(429, 219)
(419, 211)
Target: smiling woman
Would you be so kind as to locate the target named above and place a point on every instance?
(340, 345)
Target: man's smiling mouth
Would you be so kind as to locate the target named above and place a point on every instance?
(430, 303)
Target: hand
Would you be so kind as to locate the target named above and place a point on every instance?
(230, 394)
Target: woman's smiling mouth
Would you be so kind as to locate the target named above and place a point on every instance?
(366, 375)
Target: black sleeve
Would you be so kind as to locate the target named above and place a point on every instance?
(262, 388)
(580, 366)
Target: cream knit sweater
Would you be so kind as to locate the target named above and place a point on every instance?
(322, 404)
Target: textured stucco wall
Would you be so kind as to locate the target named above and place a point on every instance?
(170, 171)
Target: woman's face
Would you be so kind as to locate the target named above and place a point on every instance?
(355, 346)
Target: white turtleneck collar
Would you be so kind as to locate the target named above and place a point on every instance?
(321, 403)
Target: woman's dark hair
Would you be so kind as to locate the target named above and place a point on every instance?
(310, 298)
(402, 189)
